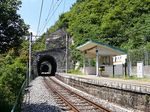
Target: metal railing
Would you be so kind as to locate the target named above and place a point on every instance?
(17, 105)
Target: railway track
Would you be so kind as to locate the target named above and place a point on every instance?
(70, 101)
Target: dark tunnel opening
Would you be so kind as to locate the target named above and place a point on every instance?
(46, 66)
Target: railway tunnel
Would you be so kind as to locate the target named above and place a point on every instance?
(46, 65)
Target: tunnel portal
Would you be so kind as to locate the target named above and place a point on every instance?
(46, 66)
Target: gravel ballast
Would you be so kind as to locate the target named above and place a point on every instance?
(38, 99)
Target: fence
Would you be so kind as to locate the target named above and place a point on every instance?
(139, 55)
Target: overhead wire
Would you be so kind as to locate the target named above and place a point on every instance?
(50, 17)
(50, 9)
(64, 6)
(52, 5)
(41, 9)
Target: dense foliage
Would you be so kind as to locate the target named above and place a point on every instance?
(13, 53)
(12, 74)
(39, 44)
(12, 27)
(121, 23)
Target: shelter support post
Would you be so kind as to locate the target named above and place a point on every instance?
(129, 68)
(84, 63)
(125, 67)
(113, 71)
(97, 62)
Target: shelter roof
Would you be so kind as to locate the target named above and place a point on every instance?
(104, 49)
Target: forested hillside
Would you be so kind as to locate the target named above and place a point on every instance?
(121, 23)
(111, 21)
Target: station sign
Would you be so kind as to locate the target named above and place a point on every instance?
(118, 60)
(140, 70)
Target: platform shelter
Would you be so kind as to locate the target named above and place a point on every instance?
(103, 55)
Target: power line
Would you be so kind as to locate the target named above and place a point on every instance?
(64, 6)
(48, 19)
(51, 16)
(40, 17)
(49, 12)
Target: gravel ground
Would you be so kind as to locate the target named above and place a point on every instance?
(38, 99)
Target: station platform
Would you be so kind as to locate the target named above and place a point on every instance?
(94, 77)
(139, 85)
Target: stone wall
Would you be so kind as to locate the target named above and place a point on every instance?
(129, 95)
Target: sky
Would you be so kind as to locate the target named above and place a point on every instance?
(30, 12)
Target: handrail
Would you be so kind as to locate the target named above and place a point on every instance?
(19, 95)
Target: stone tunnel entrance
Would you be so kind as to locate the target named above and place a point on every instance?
(46, 66)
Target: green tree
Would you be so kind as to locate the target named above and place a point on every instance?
(39, 44)
(12, 26)
(12, 74)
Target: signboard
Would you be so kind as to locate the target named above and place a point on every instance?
(140, 71)
(118, 60)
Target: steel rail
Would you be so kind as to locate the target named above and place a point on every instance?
(95, 105)
(74, 109)
(98, 106)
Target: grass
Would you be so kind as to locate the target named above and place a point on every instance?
(136, 78)
(77, 72)
(133, 77)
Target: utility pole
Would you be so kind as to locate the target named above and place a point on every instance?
(97, 62)
(30, 56)
(66, 52)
